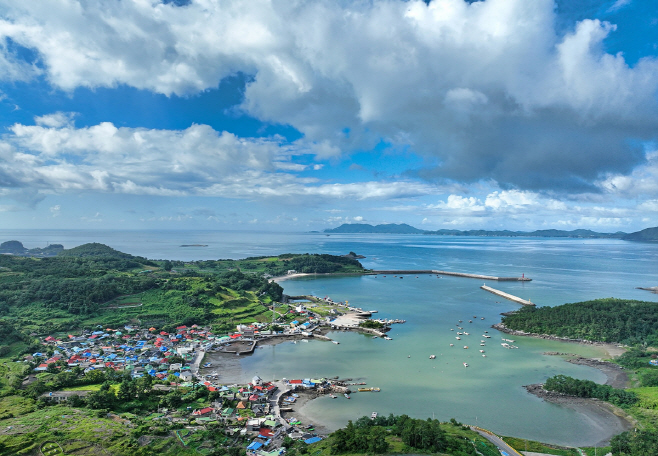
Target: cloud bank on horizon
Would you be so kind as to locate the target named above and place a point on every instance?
(486, 114)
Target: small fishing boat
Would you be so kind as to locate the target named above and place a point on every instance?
(452, 345)
(347, 396)
(333, 396)
(465, 364)
(465, 347)
(432, 356)
(458, 338)
(373, 415)
(481, 351)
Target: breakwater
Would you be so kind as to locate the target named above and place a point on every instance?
(456, 274)
(508, 296)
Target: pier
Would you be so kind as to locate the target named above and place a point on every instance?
(456, 274)
(508, 296)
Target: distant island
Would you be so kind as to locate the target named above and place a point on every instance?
(17, 248)
(646, 235)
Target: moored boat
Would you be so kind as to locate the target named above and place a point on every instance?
(432, 356)
(465, 364)
(347, 396)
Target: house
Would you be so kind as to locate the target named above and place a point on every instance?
(63, 396)
(203, 412)
(186, 376)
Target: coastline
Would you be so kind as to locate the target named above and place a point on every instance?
(600, 414)
(613, 350)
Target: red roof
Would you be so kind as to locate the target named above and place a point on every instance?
(162, 333)
(295, 382)
(203, 411)
(50, 339)
(265, 432)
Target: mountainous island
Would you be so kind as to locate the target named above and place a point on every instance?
(646, 235)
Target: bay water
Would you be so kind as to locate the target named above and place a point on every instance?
(489, 391)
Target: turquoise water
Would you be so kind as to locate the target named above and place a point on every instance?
(489, 392)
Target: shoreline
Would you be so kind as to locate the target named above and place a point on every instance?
(613, 350)
(601, 414)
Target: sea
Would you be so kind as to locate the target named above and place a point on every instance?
(489, 392)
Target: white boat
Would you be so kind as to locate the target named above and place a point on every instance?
(481, 351)
(347, 396)
(465, 364)
(333, 396)
(465, 347)
(505, 344)
(458, 338)
(486, 337)
(373, 415)
(459, 334)
(387, 338)
(452, 329)
(466, 334)
(335, 342)
(484, 356)
(452, 345)
(509, 340)
(432, 356)
(482, 345)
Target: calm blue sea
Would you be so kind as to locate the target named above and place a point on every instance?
(489, 392)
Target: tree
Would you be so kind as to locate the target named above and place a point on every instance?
(167, 265)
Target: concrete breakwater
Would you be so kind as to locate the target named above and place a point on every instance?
(456, 274)
(508, 296)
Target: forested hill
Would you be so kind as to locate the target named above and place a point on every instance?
(604, 320)
(646, 235)
(96, 250)
(390, 228)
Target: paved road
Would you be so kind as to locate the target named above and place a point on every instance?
(502, 446)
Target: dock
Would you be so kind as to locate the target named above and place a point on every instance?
(456, 274)
(508, 296)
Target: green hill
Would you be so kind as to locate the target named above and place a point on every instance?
(646, 235)
(95, 250)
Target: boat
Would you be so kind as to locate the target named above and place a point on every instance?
(335, 342)
(459, 334)
(465, 347)
(452, 345)
(387, 338)
(458, 338)
(509, 340)
(481, 351)
(486, 337)
(505, 344)
(466, 334)
(481, 318)
(408, 356)
(460, 321)
(484, 356)
(373, 415)
(376, 390)
(486, 332)
(470, 321)
(432, 356)
(347, 396)
(465, 364)
(333, 396)
(452, 329)
(482, 345)
(364, 390)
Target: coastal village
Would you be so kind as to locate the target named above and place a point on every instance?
(261, 412)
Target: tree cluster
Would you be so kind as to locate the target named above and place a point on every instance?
(368, 435)
(586, 388)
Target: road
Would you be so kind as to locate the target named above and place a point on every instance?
(502, 446)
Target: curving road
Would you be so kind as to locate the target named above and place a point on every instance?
(504, 448)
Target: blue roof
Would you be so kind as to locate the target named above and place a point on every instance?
(312, 440)
(254, 446)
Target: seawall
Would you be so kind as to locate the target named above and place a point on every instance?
(456, 274)
(508, 296)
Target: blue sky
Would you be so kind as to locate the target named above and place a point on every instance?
(297, 115)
